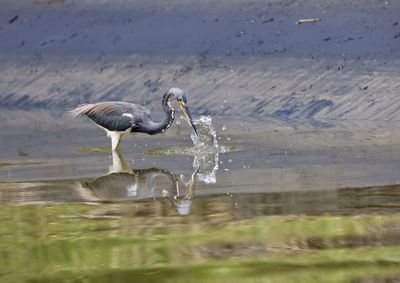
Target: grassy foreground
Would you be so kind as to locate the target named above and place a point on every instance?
(104, 243)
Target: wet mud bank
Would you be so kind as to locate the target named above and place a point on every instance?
(244, 60)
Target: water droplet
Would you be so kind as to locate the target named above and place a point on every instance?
(223, 128)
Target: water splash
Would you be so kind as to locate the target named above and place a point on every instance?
(208, 167)
(205, 149)
(207, 135)
(206, 143)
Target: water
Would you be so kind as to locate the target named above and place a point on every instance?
(207, 150)
(244, 203)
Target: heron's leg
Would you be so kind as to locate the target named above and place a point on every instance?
(115, 139)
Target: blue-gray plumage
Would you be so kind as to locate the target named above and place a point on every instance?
(121, 118)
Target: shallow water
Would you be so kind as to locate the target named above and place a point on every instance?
(256, 203)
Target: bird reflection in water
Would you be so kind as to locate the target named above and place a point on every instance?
(123, 183)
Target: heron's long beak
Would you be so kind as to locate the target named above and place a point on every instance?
(187, 115)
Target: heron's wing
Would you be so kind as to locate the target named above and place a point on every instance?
(114, 116)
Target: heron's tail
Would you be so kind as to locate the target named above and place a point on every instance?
(80, 110)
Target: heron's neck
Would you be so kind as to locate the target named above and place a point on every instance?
(160, 127)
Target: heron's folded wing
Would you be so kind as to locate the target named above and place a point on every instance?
(114, 116)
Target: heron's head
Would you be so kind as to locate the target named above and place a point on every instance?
(179, 94)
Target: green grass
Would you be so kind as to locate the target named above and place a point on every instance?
(55, 243)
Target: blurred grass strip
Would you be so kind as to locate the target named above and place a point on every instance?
(52, 243)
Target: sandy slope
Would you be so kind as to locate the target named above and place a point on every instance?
(234, 58)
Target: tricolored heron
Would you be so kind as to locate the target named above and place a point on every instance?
(121, 118)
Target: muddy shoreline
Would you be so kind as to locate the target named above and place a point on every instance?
(236, 59)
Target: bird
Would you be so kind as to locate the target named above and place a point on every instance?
(121, 118)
